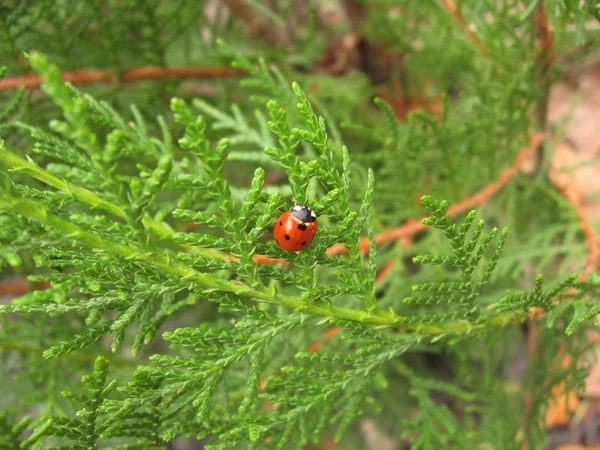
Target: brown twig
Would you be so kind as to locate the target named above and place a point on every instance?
(14, 287)
(107, 76)
(543, 34)
(453, 10)
(412, 227)
(545, 40)
(389, 265)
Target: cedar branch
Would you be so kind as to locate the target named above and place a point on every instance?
(412, 227)
(205, 282)
(406, 231)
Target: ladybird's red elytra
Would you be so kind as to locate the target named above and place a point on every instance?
(296, 228)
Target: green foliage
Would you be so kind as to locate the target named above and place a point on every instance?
(84, 429)
(10, 433)
(150, 226)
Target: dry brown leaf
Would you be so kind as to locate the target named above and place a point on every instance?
(592, 382)
(558, 414)
(577, 447)
(582, 133)
(561, 172)
(375, 438)
(573, 171)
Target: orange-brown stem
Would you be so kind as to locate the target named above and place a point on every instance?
(107, 76)
(453, 10)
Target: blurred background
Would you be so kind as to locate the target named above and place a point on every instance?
(438, 97)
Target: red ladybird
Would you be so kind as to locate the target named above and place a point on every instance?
(296, 228)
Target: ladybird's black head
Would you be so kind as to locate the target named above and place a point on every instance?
(304, 213)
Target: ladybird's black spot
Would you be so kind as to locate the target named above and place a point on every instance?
(280, 223)
(303, 243)
(287, 237)
(302, 226)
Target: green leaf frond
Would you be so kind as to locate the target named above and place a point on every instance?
(12, 433)
(12, 107)
(128, 277)
(85, 429)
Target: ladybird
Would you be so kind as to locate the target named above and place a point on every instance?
(296, 228)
